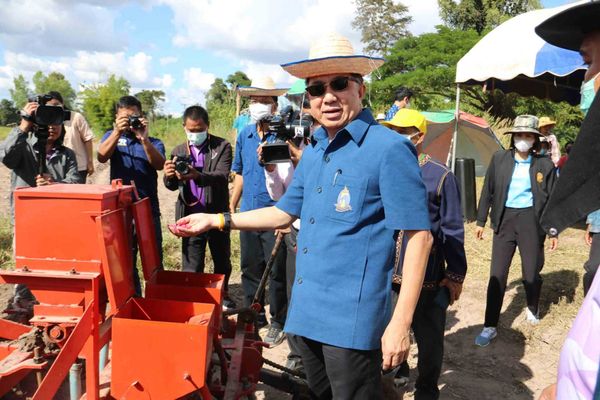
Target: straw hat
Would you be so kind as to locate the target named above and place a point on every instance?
(568, 28)
(332, 54)
(545, 121)
(405, 118)
(262, 86)
(525, 123)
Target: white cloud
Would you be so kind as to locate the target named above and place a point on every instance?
(195, 85)
(257, 70)
(261, 30)
(168, 60)
(51, 27)
(425, 15)
(164, 82)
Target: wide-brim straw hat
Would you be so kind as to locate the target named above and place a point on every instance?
(332, 54)
(525, 123)
(545, 121)
(568, 28)
(262, 86)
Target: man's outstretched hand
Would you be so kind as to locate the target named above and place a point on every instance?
(194, 224)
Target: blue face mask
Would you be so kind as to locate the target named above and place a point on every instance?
(587, 94)
(197, 138)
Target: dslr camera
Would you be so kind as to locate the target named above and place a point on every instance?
(135, 122)
(289, 125)
(182, 165)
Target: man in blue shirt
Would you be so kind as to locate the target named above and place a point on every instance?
(352, 202)
(249, 185)
(447, 264)
(134, 157)
(403, 96)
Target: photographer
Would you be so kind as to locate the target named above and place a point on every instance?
(199, 169)
(78, 137)
(249, 185)
(20, 152)
(134, 156)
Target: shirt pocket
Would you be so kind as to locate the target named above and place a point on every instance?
(345, 198)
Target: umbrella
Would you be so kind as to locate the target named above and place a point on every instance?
(512, 57)
(297, 87)
(475, 138)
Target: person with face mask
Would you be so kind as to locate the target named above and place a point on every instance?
(249, 185)
(447, 263)
(517, 186)
(199, 169)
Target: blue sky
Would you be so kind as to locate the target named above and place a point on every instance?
(178, 46)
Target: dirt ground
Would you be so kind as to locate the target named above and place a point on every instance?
(517, 365)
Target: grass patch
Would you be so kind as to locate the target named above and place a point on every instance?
(6, 239)
(4, 131)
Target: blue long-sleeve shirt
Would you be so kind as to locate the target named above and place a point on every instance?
(447, 258)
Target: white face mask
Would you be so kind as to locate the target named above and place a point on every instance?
(524, 145)
(259, 111)
(196, 138)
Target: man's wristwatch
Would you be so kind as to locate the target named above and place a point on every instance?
(227, 225)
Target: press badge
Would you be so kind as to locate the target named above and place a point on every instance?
(122, 142)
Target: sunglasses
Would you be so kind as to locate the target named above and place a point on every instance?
(337, 84)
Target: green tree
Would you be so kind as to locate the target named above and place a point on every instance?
(150, 100)
(20, 93)
(381, 23)
(8, 112)
(482, 14)
(99, 102)
(237, 79)
(55, 81)
(218, 93)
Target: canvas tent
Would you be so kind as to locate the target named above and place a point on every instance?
(475, 138)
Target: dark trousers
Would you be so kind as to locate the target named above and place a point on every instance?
(290, 274)
(341, 374)
(193, 251)
(158, 232)
(429, 324)
(82, 175)
(255, 248)
(519, 228)
(591, 265)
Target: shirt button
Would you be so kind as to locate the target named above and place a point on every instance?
(312, 220)
(299, 281)
(305, 250)
(319, 189)
(327, 159)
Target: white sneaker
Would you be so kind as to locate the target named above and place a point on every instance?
(532, 318)
(485, 337)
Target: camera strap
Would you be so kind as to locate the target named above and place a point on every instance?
(181, 186)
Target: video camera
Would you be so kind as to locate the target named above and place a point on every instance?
(44, 116)
(288, 125)
(47, 115)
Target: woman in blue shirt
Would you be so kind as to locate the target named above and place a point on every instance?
(517, 186)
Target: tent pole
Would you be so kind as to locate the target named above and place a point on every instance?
(455, 135)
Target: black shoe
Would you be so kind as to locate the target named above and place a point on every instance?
(228, 304)
(261, 321)
(274, 336)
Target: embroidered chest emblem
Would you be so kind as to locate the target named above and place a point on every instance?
(343, 201)
(539, 177)
(122, 142)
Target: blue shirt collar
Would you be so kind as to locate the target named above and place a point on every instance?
(357, 128)
(527, 161)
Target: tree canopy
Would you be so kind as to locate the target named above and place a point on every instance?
(150, 100)
(20, 92)
(57, 82)
(99, 102)
(381, 23)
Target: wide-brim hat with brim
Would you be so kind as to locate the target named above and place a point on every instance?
(568, 28)
(332, 54)
(263, 86)
(525, 123)
(406, 118)
(545, 121)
